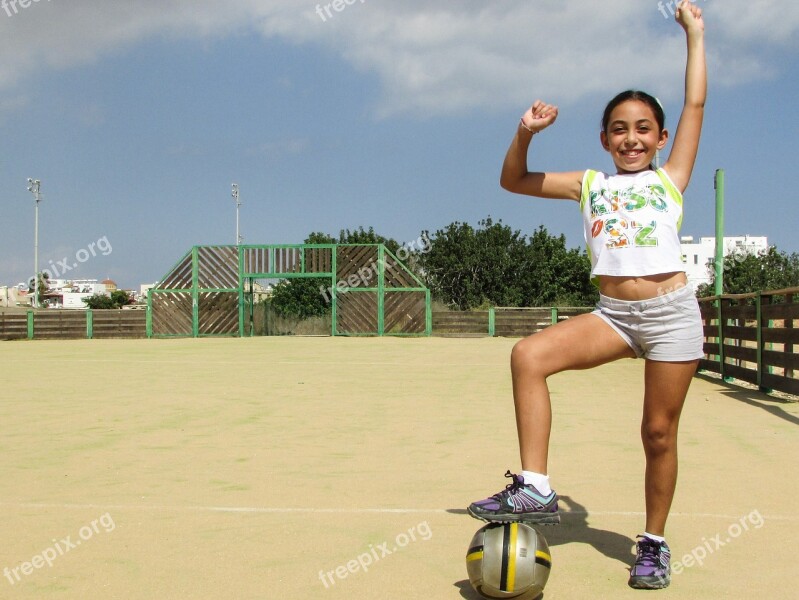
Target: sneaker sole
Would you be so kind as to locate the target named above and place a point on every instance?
(649, 583)
(531, 518)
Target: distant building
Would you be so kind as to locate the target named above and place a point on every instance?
(261, 292)
(14, 295)
(69, 293)
(79, 286)
(144, 290)
(699, 257)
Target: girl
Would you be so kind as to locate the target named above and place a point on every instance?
(631, 222)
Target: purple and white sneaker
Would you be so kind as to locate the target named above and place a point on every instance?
(517, 503)
(651, 570)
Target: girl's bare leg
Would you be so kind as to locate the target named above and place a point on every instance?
(666, 387)
(580, 343)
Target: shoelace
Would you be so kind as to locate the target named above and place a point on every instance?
(648, 553)
(510, 488)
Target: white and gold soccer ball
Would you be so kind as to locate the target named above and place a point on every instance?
(508, 560)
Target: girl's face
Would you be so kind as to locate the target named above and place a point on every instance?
(633, 136)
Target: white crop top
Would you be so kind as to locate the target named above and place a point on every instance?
(631, 223)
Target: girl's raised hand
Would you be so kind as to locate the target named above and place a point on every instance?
(689, 16)
(539, 116)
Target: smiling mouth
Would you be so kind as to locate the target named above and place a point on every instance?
(632, 154)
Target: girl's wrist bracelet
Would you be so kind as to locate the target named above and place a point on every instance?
(521, 122)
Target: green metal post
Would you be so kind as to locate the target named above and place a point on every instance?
(240, 252)
(770, 347)
(492, 322)
(195, 292)
(718, 266)
(149, 315)
(381, 288)
(428, 314)
(554, 315)
(718, 185)
(717, 304)
(759, 316)
(761, 346)
(89, 324)
(334, 291)
(30, 324)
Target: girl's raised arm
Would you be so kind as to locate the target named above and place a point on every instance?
(686, 141)
(515, 176)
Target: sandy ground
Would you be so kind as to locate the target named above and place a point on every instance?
(260, 468)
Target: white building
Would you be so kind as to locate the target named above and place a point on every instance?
(144, 291)
(15, 295)
(699, 257)
(69, 293)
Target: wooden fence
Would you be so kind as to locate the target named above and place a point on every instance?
(499, 321)
(753, 338)
(749, 337)
(53, 324)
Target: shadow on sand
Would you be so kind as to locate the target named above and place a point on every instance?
(754, 398)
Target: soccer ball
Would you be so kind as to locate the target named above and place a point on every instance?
(508, 560)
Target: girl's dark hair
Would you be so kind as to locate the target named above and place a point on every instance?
(650, 101)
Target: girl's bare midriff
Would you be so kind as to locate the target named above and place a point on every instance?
(641, 288)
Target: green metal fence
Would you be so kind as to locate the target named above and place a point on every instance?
(209, 291)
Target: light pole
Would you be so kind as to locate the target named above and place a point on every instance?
(238, 205)
(34, 187)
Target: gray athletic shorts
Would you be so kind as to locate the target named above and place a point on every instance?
(665, 328)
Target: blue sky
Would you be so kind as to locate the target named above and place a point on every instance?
(137, 117)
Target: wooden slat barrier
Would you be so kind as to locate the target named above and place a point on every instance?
(460, 323)
(13, 325)
(500, 321)
(55, 324)
(753, 338)
(119, 324)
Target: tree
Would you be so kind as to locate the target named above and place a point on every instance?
(300, 298)
(121, 298)
(747, 273)
(44, 286)
(117, 299)
(467, 267)
(560, 276)
(98, 301)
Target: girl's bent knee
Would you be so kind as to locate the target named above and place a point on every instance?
(528, 356)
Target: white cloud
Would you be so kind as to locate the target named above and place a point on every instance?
(430, 59)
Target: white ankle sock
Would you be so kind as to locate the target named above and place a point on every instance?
(654, 537)
(537, 480)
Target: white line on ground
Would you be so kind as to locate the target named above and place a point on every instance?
(283, 510)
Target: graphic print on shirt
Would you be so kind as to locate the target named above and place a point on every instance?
(621, 231)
